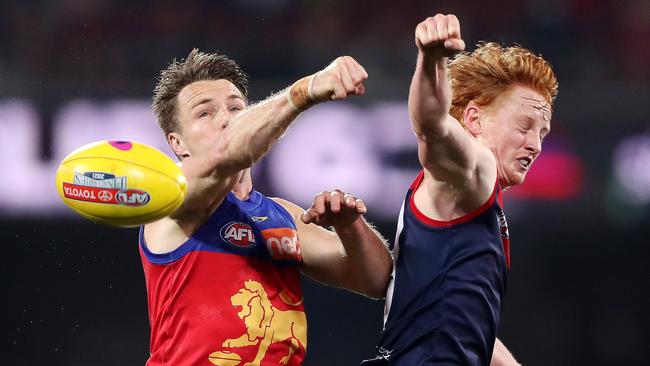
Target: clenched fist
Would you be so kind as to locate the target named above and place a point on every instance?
(439, 36)
(342, 78)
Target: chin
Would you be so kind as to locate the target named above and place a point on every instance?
(515, 179)
(519, 179)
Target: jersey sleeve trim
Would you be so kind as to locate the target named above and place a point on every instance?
(166, 258)
(442, 223)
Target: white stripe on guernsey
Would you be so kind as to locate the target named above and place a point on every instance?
(389, 293)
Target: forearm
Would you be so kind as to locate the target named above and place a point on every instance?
(254, 131)
(429, 87)
(367, 261)
(501, 356)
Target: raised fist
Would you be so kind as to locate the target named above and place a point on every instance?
(343, 77)
(439, 36)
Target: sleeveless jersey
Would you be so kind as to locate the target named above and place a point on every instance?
(231, 293)
(449, 278)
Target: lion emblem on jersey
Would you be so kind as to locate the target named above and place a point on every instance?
(265, 324)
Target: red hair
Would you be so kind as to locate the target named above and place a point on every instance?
(490, 70)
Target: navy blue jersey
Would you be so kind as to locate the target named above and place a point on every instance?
(449, 277)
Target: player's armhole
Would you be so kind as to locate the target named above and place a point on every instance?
(165, 258)
(288, 209)
(442, 223)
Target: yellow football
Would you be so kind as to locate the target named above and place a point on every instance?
(120, 183)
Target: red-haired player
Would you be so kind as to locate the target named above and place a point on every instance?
(480, 121)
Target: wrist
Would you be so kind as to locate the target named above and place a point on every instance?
(430, 59)
(350, 227)
(300, 93)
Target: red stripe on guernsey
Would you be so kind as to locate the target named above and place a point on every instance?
(417, 181)
(440, 223)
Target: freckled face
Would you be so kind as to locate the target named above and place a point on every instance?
(205, 108)
(513, 127)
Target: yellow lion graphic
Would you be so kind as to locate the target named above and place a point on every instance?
(266, 324)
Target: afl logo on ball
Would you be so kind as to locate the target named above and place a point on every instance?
(132, 197)
(238, 234)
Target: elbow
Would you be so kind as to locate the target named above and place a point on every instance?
(218, 158)
(227, 158)
(376, 284)
(377, 294)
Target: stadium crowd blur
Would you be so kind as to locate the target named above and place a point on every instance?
(114, 47)
(578, 292)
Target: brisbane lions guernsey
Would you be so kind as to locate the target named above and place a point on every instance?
(230, 295)
(449, 277)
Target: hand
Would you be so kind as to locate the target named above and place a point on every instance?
(334, 208)
(439, 36)
(342, 78)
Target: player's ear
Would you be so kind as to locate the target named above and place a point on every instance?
(472, 120)
(177, 145)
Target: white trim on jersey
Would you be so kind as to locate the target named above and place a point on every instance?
(391, 285)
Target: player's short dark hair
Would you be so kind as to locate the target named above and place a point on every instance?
(197, 66)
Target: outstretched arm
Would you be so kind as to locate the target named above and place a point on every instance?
(353, 256)
(445, 149)
(250, 134)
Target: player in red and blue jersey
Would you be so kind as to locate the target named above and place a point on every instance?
(479, 124)
(222, 272)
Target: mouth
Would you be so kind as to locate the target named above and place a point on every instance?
(525, 163)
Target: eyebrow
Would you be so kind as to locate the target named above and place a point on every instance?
(202, 101)
(208, 100)
(235, 96)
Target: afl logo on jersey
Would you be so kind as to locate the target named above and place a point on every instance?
(238, 234)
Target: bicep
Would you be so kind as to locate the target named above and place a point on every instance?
(451, 154)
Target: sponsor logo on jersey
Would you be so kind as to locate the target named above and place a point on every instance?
(238, 234)
(282, 243)
(503, 223)
(100, 187)
(259, 218)
(505, 235)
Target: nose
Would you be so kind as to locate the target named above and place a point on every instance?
(226, 116)
(534, 143)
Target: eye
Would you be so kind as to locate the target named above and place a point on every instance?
(542, 136)
(204, 114)
(235, 109)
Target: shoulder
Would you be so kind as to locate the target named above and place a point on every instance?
(295, 210)
(446, 198)
(164, 235)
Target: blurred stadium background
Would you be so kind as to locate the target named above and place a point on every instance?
(74, 71)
